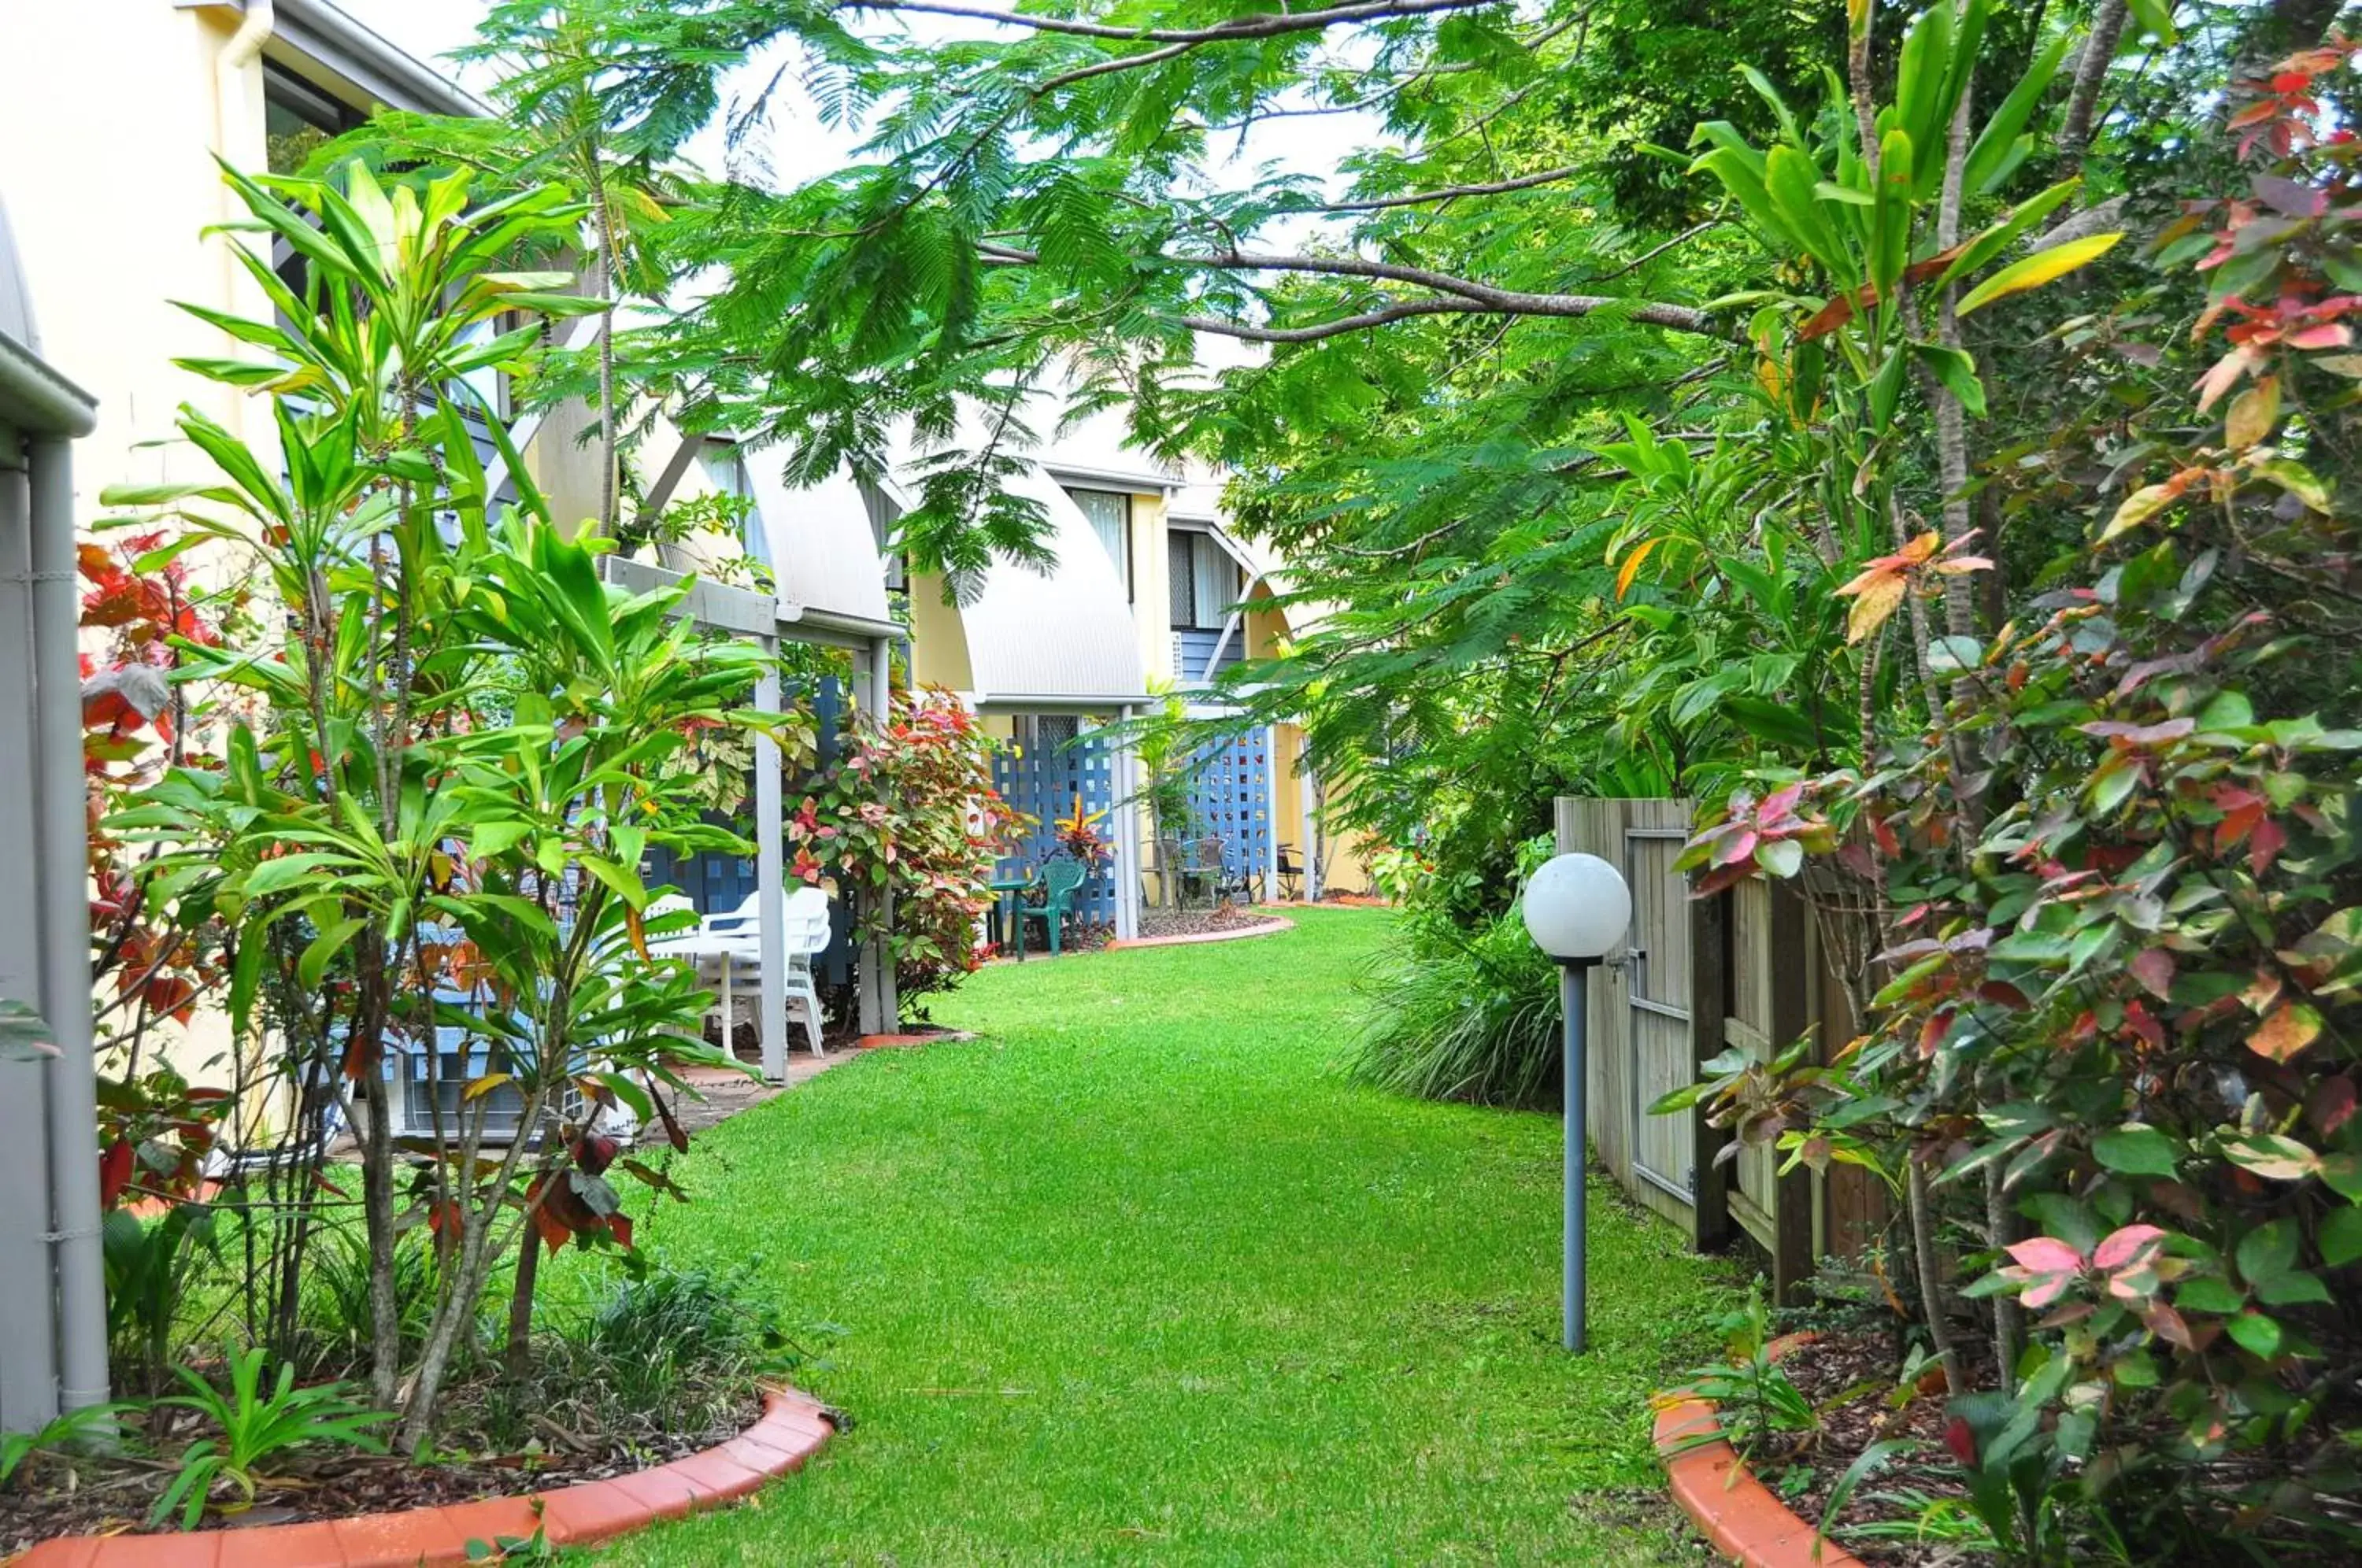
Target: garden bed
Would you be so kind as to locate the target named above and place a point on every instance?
(376, 1509)
(1762, 1510)
(1221, 923)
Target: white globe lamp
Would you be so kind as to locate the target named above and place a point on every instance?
(1577, 908)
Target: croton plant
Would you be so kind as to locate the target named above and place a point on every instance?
(2118, 882)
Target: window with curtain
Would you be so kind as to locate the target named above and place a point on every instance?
(1202, 579)
(1110, 512)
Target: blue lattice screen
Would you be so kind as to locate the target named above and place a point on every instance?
(1229, 794)
(1042, 783)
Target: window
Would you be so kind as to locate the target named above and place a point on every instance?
(1201, 580)
(1110, 515)
(298, 119)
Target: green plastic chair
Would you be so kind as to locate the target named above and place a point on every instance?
(1061, 879)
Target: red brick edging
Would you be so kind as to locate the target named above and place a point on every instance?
(1735, 1511)
(792, 1428)
(1271, 927)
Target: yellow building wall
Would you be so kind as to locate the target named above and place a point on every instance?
(938, 640)
(1151, 596)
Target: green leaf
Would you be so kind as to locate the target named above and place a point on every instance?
(2340, 1237)
(2268, 1250)
(1990, 152)
(2135, 1150)
(2256, 1333)
(2042, 267)
(2296, 478)
(1956, 372)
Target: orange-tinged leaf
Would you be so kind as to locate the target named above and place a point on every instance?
(2138, 508)
(1631, 568)
(2253, 415)
(2291, 1027)
(1876, 596)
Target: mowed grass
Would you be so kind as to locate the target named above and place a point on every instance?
(1138, 1277)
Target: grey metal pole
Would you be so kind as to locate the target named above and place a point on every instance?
(770, 878)
(62, 797)
(1573, 994)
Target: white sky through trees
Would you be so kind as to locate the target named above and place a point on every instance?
(799, 147)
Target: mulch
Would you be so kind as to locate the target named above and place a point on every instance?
(1196, 922)
(112, 1496)
(1851, 1376)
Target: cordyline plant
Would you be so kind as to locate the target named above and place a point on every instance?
(2120, 980)
(909, 817)
(429, 817)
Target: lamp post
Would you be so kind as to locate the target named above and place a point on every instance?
(1576, 908)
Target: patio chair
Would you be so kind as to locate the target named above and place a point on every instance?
(806, 931)
(1291, 875)
(1209, 863)
(1061, 879)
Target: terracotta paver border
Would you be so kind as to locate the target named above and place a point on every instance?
(1740, 1516)
(793, 1427)
(1271, 927)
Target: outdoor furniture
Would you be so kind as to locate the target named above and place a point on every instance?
(1209, 863)
(1061, 879)
(728, 953)
(1291, 875)
(1006, 891)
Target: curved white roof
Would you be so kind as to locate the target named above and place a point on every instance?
(1060, 635)
(823, 550)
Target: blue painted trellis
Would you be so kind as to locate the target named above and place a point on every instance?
(1229, 794)
(1040, 776)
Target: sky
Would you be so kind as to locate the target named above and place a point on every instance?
(801, 146)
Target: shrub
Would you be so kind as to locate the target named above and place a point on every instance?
(909, 814)
(2120, 886)
(1455, 1014)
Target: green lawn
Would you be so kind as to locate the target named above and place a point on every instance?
(1138, 1278)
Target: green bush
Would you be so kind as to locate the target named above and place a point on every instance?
(1463, 1013)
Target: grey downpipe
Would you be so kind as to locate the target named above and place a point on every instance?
(62, 826)
(28, 1366)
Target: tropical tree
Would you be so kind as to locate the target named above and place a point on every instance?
(425, 823)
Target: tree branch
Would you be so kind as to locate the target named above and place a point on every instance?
(1452, 193)
(2091, 73)
(1264, 24)
(1398, 310)
(1508, 302)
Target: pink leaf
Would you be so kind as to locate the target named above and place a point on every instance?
(2154, 969)
(2046, 1255)
(2131, 1243)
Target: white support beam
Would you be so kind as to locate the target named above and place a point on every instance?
(1125, 770)
(770, 879)
(1271, 839)
(1309, 797)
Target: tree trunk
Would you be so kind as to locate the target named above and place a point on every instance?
(1927, 1266)
(517, 1355)
(2091, 76)
(2009, 1329)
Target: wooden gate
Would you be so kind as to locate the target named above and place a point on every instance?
(1745, 967)
(1648, 1034)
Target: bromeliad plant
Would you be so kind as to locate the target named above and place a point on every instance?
(431, 811)
(2120, 990)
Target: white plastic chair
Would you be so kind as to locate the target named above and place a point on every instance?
(805, 931)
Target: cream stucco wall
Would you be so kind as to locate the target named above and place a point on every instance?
(110, 120)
